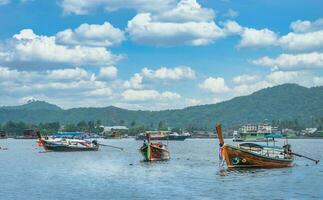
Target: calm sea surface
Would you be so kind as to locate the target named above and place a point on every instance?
(192, 173)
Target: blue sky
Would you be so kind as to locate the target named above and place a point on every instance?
(155, 54)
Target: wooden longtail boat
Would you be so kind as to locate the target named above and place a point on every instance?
(67, 145)
(250, 155)
(154, 151)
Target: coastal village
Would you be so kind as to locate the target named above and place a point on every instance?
(245, 132)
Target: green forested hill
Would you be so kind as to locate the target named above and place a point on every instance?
(284, 102)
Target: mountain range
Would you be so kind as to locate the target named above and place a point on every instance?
(283, 102)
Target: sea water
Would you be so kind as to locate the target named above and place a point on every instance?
(27, 172)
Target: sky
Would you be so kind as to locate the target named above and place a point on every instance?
(155, 54)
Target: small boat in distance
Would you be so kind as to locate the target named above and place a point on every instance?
(27, 134)
(154, 151)
(251, 155)
(66, 145)
(163, 135)
(3, 135)
(253, 132)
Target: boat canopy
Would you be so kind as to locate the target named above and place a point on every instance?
(67, 134)
(272, 147)
(251, 145)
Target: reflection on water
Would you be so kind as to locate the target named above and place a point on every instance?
(192, 173)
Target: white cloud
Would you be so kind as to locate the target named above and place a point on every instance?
(186, 10)
(186, 24)
(300, 26)
(231, 13)
(73, 73)
(26, 34)
(4, 2)
(104, 35)
(232, 27)
(302, 41)
(281, 77)
(214, 85)
(245, 78)
(143, 29)
(64, 85)
(135, 82)
(318, 81)
(302, 77)
(145, 95)
(307, 36)
(176, 73)
(29, 47)
(292, 61)
(82, 7)
(257, 38)
(103, 92)
(110, 72)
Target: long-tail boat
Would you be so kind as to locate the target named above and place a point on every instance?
(251, 155)
(154, 151)
(66, 145)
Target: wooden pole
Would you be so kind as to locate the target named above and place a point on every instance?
(220, 136)
(105, 145)
(299, 155)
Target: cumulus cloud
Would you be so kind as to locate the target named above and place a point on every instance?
(186, 24)
(302, 41)
(292, 61)
(144, 95)
(83, 7)
(176, 73)
(245, 78)
(232, 27)
(135, 82)
(300, 26)
(61, 85)
(214, 85)
(4, 2)
(29, 47)
(306, 36)
(251, 37)
(231, 13)
(186, 10)
(110, 72)
(302, 77)
(71, 74)
(143, 29)
(104, 35)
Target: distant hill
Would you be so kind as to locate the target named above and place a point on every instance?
(283, 102)
(33, 105)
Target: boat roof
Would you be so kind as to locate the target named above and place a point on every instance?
(251, 145)
(68, 134)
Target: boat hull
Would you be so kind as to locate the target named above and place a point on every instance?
(48, 146)
(157, 154)
(239, 158)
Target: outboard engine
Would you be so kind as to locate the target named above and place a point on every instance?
(95, 142)
(287, 149)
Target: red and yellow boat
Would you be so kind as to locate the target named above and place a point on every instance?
(251, 155)
(154, 151)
